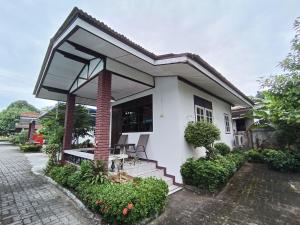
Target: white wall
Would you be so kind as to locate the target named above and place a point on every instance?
(173, 107)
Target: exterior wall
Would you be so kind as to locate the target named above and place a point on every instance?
(173, 107)
(219, 109)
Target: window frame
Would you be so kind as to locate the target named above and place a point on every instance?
(227, 131)
(204, 110)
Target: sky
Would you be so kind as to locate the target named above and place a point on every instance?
(243, 39)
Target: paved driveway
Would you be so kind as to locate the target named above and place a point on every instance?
(255, 195)
(26, 198)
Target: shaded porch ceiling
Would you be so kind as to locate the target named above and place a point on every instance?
(83, 47)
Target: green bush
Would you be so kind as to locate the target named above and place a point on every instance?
(74, 180)
(255, 155)
(126, 203)
(222, 148)
(61, 173)
(94, 172)
(201, 134)
(19, 138)
(30, 148)
(211, 174)
(282, 161)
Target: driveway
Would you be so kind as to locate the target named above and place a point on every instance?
(26, 198)
(255, 195)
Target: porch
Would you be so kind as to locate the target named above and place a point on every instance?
(133, 167)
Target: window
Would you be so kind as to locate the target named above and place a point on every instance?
(199, 113)
(209, 117)
(136, 115)
(203, 114)
(227, 124)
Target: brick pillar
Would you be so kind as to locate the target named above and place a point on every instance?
(103, 117)
(31, 130)
(68, 126)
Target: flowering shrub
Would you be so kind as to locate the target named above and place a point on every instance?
(126, 203)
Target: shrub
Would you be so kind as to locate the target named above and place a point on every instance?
(222, 148)
(61, 173)
(74, 180)
(255, 155)
(211, 174)
(202, 134)
(282, 161)
(19, 138)
(30, 148)
(126, 203)
(94, 172)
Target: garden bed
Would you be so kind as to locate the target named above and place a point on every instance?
(117, 203)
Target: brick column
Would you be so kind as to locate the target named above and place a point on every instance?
(103, 117)
(68, 126)
(31, 130)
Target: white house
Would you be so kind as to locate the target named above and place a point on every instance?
(134, 90)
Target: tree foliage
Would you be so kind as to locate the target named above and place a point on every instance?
(53, 123)
(280, 105)
(10, 115)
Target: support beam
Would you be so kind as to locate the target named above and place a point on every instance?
(103, 117)
(68, 127)
(31, 130)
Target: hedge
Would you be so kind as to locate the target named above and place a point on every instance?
(211, 174)
(30, 148)
(222, 148)
(126, 203)
(280, 160)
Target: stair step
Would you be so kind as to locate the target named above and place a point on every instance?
(173, 189)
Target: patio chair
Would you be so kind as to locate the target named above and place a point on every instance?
(121, 142)
(140, 146)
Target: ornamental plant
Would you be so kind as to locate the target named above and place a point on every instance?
(202, 134)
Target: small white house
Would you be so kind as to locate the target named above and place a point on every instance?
(134, 90)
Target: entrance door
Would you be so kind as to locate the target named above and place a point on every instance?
(116, 125)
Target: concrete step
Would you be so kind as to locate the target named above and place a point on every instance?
(146, 169)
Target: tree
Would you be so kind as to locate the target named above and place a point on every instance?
(280, 105)
(53, 123)
(11, 114)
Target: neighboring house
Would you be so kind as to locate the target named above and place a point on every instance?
(135, 91)
(25, 120)
(241, 123)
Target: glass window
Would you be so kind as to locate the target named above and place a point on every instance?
(203, 114)
(199, 113)
(209, 117)
(136, 115)
(227, 123)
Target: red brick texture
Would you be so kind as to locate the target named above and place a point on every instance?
(68, 127)
(103, 117)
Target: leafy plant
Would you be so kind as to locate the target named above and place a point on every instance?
(19, 138)
(222, 148)
(94, 172)
(202, 134)
(255, 155)
(30, 148)
(61, 173)
(211, 174)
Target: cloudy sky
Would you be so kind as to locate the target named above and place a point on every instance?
(242, 39)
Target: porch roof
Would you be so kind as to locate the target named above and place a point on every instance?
(83, 47)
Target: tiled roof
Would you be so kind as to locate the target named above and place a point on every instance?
(29, 114)
(78, 13)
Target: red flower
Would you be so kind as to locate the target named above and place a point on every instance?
(125, 211)
(130, 206)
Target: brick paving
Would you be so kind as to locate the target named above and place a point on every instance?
(254, 196)
(26, 198)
